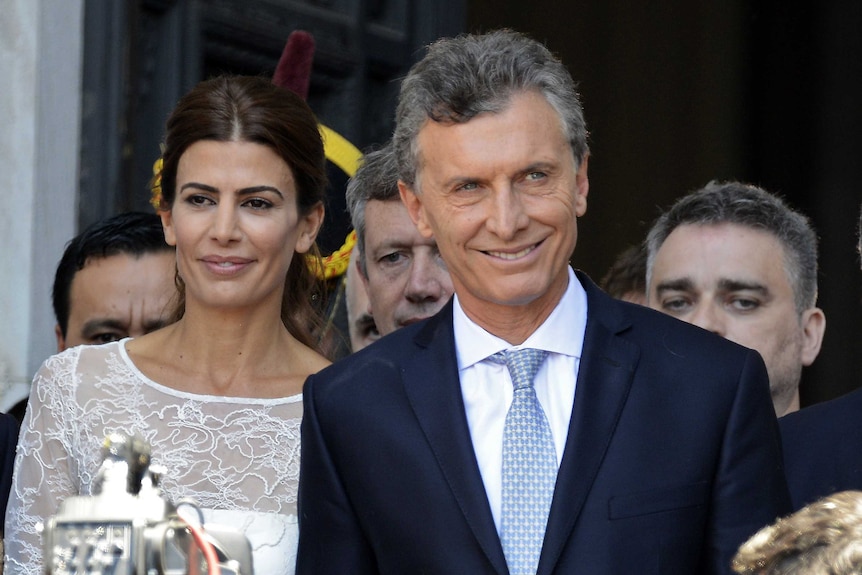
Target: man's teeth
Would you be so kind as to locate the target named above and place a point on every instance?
(512, 256)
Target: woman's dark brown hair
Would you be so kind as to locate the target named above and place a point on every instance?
(253, 109)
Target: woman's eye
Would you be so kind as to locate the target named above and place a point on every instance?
(199, 200)
(258, 204)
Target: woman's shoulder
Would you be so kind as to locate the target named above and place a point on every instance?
(82, 374)
(302, 361)
(113, 357)
(81, 358)
(315, 362)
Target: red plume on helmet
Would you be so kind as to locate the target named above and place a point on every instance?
(293, 73)
(294, 67)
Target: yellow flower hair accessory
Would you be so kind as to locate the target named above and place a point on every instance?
(156, 185)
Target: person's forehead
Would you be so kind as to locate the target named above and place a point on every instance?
(721, 253)
(387, 221)
(126, 260)
(114, 273)
(728, 234)
(528, 116)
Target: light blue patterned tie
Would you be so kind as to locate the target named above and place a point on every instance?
(529, 465)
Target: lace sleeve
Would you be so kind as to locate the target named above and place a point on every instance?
(43, 476)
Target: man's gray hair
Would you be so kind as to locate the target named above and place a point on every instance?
(749, 206)
(376, 179)
(462, 77)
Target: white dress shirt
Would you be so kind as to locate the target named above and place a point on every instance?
(487, 386)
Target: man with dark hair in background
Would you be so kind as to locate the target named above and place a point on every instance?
(114, 280)
(738, 261)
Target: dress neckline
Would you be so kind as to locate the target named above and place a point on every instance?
(124, 355)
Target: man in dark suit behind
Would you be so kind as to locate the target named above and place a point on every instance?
(663, 437)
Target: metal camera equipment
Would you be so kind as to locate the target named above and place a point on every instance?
(128, 527)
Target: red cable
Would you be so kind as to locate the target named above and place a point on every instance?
(213, 566)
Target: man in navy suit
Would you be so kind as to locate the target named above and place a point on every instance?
(664, 440)
(823, 444)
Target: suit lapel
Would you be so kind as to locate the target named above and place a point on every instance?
(604, 379)
(433, 388)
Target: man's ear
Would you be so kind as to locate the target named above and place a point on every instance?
(583, 187)
(813, 329)
(355, 262)
(61, 341)
(415, 208)
(364, 280)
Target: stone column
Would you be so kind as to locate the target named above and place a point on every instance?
(40, 103)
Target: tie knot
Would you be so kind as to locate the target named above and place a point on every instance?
(523, 364)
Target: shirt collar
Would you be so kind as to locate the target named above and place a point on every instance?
(562, 332)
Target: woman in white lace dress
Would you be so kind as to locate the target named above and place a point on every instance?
(217, 394)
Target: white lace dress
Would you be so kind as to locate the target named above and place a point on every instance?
(237, 457)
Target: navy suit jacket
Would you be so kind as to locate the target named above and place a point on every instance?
(823, 448)
(672, 457)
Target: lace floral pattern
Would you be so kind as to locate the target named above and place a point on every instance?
(237, 457)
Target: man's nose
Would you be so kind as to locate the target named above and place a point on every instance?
(507, 215)
(424, 281)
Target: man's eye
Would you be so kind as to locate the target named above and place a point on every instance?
(370, 331)
(392, 258)
(106, 338)
(675, 305)
(366, 328)
(468, 187)
(535, 176)
(744, 304)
